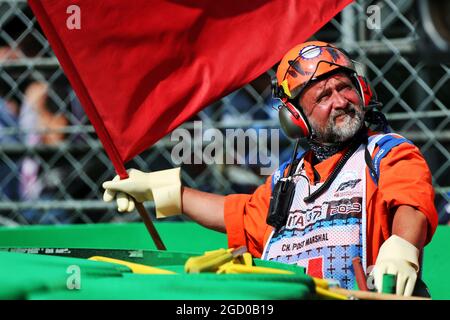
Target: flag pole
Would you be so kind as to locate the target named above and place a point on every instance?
(150, 227)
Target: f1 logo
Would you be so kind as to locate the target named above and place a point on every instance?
(348, 185)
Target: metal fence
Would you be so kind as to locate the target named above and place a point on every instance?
(52, 164)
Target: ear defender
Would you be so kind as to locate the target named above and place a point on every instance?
(367, 94)
(293, 122)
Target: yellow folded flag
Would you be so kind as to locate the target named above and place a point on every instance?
(135, 267)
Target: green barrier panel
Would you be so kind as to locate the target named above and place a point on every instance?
(45, 276)
(189, 237)
(22, 274)
(33, 276)
(177, 236)
(436, 264)
(189, 287)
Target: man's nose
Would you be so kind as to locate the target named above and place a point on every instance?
(339, 101)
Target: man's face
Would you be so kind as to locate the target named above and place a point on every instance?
(333, 108)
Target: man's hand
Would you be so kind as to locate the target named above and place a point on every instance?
(399, 257)
(164, 187)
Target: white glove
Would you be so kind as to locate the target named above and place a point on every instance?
(399, 257)
(164, 187)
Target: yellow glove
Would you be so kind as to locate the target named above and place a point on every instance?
(163, 187)
(399, 257)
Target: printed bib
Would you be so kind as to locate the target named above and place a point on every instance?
(325, 235)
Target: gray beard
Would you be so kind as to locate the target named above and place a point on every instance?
(332, 134)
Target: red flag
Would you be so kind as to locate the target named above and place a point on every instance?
(142, 68)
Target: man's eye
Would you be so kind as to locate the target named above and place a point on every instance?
(322, 98)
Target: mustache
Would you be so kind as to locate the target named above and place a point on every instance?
(351, 109)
